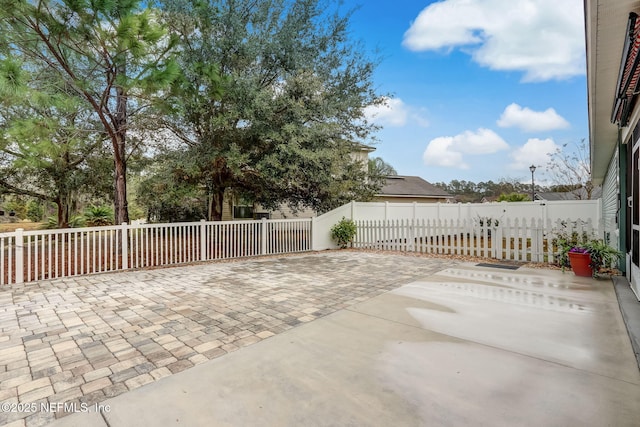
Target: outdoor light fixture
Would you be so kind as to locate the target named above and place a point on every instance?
(532, 168)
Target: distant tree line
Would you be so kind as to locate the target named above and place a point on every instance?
(471, 192)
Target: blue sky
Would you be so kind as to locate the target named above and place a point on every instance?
(480, 89)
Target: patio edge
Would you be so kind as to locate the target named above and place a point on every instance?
(630, 309)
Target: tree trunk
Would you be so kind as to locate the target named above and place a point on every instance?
(216, 202)
(120, 190)
(121, 208)
(63, 212)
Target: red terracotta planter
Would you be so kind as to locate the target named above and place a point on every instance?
(580, 264)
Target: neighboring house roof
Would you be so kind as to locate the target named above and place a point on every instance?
(489, 199)
(579, 194)
(411, 186)
(364, 147)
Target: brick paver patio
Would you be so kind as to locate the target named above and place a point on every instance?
(85, 339)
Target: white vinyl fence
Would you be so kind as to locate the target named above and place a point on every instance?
(545, 210)
(522, 231)
(506, 231)
(45, 254)
(530, 240)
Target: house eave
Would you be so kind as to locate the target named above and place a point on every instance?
(605, 40)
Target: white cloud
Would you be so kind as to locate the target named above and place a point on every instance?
(542, 38)
(440, 152)
(534, 152)
(531, 121)
(448, 151)
(394, 112)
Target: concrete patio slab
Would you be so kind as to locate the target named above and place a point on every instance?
(568, 320)
(467, 346)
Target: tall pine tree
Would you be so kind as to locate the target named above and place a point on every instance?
(113, 54)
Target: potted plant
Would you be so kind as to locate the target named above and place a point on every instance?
(580, 261)
(603, 257)
(565, 240)
(592, 258)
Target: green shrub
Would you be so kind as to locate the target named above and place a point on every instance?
(97, 216)
(76, 221)
(50, 224)
(564, 240)
(513, 197)
(602, 255)
(34, 210)
(343, 232)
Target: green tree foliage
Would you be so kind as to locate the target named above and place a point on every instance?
(513, 197)
(47, 139)
(170, 194)
(18, 206)
(271, 101)
(467, 191)
(379, 168)
(35, 211)
(114, 55)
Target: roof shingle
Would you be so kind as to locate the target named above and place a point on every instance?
(398, 185)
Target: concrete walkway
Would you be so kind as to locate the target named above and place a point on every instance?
(450, 344)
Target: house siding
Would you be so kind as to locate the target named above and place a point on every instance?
(285, 212)
(610, 197)
(410, 199)
(614, 135)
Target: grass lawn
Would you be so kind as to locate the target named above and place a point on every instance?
(7, 227)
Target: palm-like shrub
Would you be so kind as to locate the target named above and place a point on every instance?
(97, 216)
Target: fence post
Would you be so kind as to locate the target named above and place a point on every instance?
(540, 238)
(19, 242)
(124, 245)
(263, 237)
(497, 245)
(412, 232)
(534, 241)
(203, 240)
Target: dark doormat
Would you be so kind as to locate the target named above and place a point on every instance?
(503, 266)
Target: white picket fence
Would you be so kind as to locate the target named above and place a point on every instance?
(46, 254)
(529, 240)
(573, 210)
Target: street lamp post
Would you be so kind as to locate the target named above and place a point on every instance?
(532, 168)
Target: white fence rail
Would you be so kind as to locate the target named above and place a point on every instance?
(515, 240)
(545, 210)
(573, 210)
(462, 229)
(46, 254)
